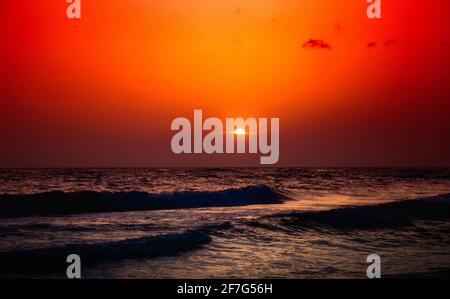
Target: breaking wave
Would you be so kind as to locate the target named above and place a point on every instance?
(53, 258)
(62, 203)
(393, 214)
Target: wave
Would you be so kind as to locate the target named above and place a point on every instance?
(54, 258)
(63, 203)
(9, 229)
(393, 214)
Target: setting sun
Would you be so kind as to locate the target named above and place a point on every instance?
(239, 131)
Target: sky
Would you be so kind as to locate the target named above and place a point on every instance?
(103, 90)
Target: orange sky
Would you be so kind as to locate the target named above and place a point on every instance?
(103, 90)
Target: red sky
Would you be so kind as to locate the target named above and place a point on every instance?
(103, 90)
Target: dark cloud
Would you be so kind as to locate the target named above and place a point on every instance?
(316, 44)
(388, 42)
(444, 43)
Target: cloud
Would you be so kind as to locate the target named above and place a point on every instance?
(388, 42)
(316, 44)
(444, 43)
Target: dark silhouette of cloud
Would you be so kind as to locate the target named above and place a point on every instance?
(444, 43)
(388, 42)
(316, 44)
(338, 28)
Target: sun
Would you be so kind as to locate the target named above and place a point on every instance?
(239, 131)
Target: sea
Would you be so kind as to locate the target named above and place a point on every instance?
(184, 223)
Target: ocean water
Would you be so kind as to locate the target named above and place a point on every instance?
(225, 223)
